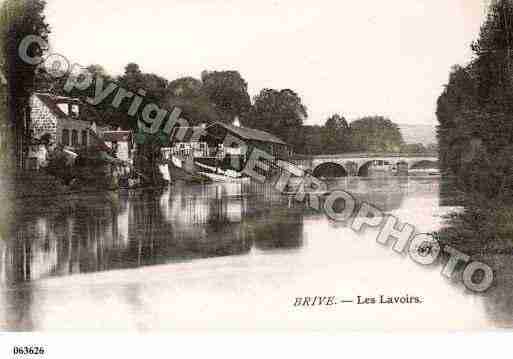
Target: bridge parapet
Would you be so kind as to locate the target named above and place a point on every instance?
(353, 162)
(369, 155)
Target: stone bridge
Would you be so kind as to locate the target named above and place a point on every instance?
(358, 164)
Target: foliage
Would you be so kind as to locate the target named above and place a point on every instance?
(228, 92)
(18, 19)
(187, 93)
(419, 148)
(475, 111)
(375, 134)
(336, 135)
(280, 112)
(307, 140)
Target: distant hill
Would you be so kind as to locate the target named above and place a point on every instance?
(424, 134)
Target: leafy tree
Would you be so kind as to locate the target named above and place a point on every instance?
(493, 64)
(456, 110)
(375, 134)
(228, 92)
(185, 87)
(134, 79)
(278, 112)
(335, 135)
(476, 107)
(336, 123)
(18, 19)
(413, 148)
(187, 93)
(307, 140)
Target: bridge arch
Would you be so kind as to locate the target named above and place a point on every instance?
(363, 170)
(330, 170)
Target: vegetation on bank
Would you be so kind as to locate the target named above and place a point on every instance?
(223, 96)
(18, 19)
(475, 111)
(475, 133)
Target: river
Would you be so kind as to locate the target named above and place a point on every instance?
(228, 256)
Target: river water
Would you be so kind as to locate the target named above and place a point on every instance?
(228, 256)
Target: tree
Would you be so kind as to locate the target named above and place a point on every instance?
(413, 148)
(375, 134)
(18, 19)
(335, 134)
(187, 93)
(475, 110)
(278, 112)
(228, 92)
(185, 87)
(493, 63)
(336, 123)
(457, 111)
(154, 89)
(306, 140)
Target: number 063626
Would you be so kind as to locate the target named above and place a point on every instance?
(28, 350)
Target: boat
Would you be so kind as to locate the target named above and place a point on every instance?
(220, 175)
(180, 171)
(215, 177)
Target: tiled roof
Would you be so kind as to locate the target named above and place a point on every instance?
(250, 133)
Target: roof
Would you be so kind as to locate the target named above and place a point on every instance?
(117, 136)
(51, 102)
(250, 133)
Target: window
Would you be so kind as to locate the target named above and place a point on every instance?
(84, 138)
(73, 110)
(65, 137)
(74, 138)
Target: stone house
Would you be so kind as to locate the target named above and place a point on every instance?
(63, 119)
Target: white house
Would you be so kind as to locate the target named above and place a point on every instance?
(121, 142)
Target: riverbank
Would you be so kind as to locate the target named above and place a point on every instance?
(40, 185)
(483, 228)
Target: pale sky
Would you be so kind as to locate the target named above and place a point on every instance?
(352, 57)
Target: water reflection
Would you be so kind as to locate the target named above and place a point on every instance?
(186, 224)
(92, 233)
(385, 193)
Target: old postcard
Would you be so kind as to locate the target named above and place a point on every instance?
(255, 165)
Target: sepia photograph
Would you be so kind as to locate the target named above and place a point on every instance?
(274, 165)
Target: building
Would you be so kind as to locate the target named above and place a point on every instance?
(187, 148)
(217, 132)
(62, 119)
(121, 142)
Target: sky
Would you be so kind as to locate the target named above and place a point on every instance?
(355, 58)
